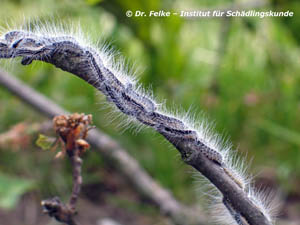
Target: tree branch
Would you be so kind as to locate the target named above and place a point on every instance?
(86, 63)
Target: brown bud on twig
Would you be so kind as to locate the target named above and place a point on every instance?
(72, 131)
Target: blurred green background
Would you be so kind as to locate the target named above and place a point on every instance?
(241, 73)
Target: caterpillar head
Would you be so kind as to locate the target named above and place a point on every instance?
(20, 43)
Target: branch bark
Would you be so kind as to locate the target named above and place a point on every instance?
(85, 62)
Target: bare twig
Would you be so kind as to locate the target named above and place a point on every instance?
(114, 153)
(74, 57)
(65, 212)
(72, 131)
(77, 179)
(60, 211)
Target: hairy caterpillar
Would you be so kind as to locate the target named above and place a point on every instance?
(98, 68)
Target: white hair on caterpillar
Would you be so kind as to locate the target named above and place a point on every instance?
(139, 106)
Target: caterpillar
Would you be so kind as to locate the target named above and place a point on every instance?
(98, 67)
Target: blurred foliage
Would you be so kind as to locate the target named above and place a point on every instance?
(11, 189)
(254, 95)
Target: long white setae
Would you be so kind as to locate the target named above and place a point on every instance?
(204, 151)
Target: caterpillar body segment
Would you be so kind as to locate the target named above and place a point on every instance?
(97, 67)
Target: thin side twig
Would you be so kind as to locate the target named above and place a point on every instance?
(72, 131)
(77, 180)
